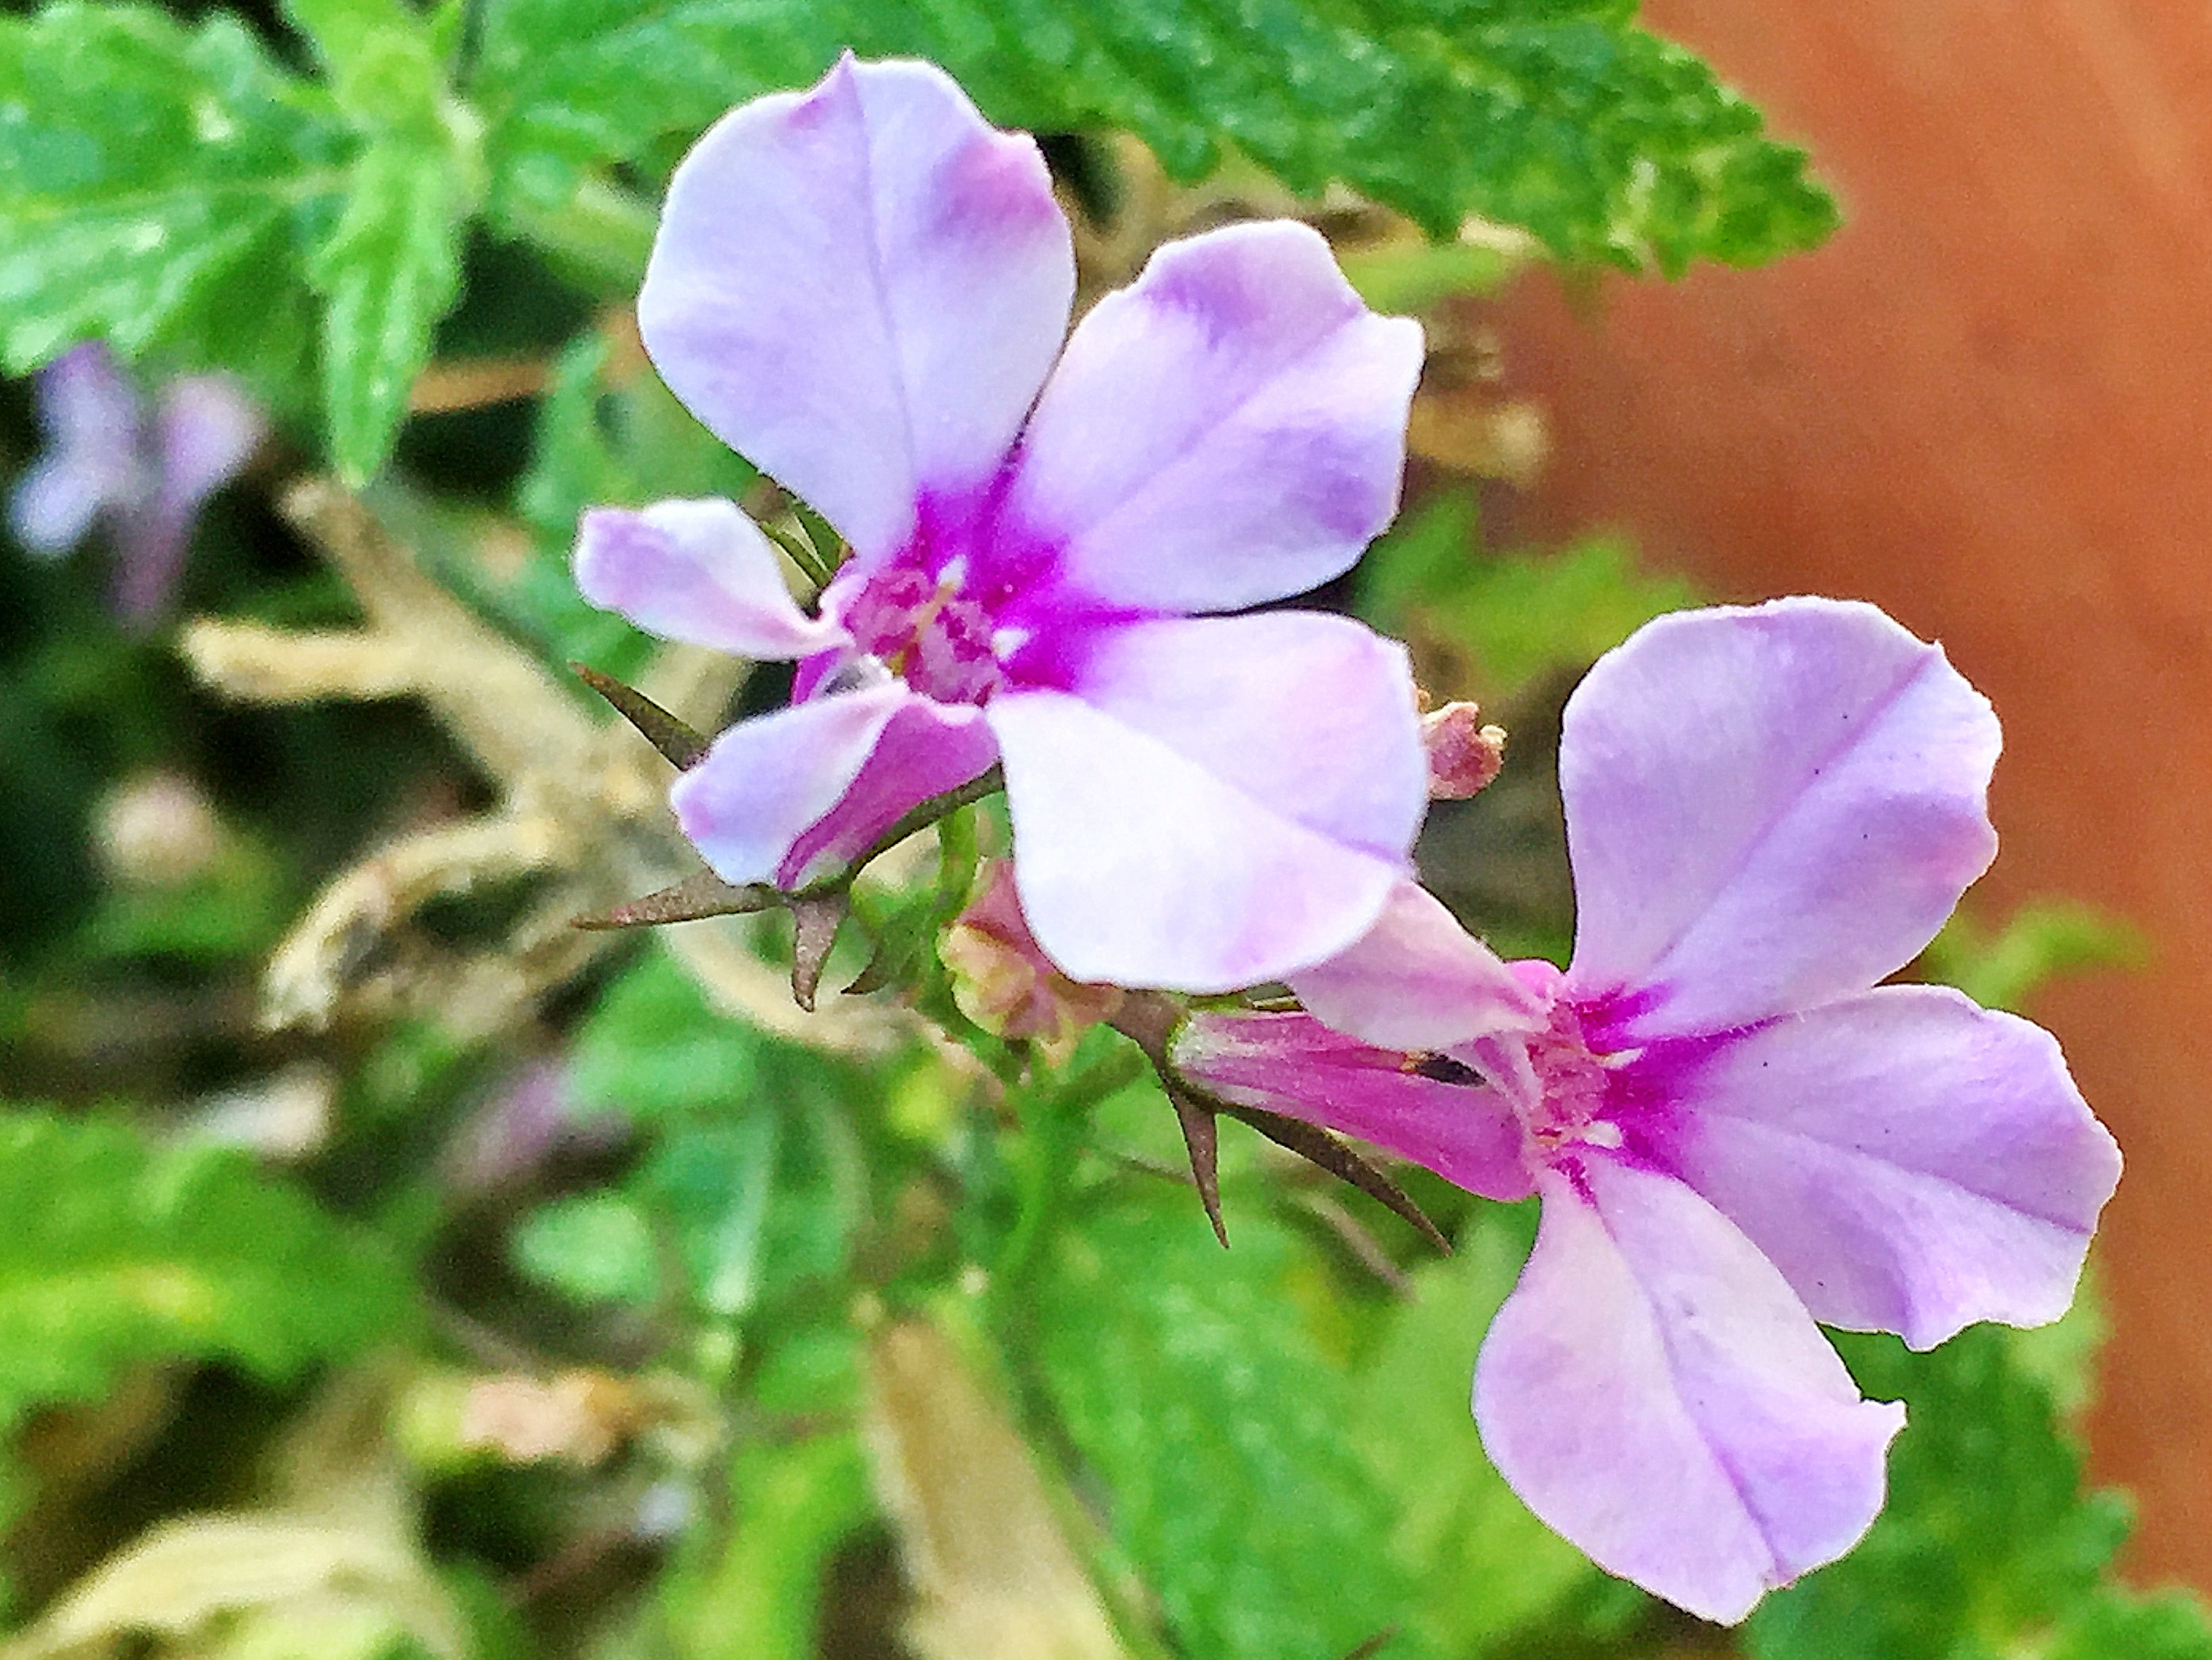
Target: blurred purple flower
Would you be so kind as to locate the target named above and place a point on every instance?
(532, 1116)
(143, 481)
(864, 288)
(1735, 1130)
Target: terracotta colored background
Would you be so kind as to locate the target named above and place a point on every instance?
(1987, 405)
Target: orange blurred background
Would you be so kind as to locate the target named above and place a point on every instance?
(1986, 404)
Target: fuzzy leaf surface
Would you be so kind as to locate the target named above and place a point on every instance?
(1184, 1377)
(1608, 143)
(159, 188)
(1990, 1543)
(387, 277)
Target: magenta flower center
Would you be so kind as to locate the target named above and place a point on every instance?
(1571, 1088)
(930, 632)
(1566, 1095)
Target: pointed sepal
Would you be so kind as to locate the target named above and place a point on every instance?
(683, 747)
(1201, 1137)
(815, 921)
(704, 894)
(1317, 1147)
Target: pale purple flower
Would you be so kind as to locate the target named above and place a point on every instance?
(863, 288)
(144, 480)
(1735, 1130)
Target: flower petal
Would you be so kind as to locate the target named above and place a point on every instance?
(1654, 1392)
(1767, 808)
(769, 780)
(1229, 429)
(1293, 1065)
(53, 504)
(206, 429)
(1417, 981)
(1216, 801)
(697, 571)
(860, 289)
(928, 749)
(93, 424)
(1910, 1162)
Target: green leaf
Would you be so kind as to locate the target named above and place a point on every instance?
(753, 1171)
(387, 275)
(115, 1254)
(595, 1249)
(1989, 1545)
(1501, 621)
(1486, 1569)
(1185, 1379)
(715, 1186)
(654, 1049)
(158, 189)
(2042, 941)
(2114, 1625)
(1561, 117)
(383, 65)
(599, 445)
(796, 1502)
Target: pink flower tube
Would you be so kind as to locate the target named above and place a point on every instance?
(1736, 1131)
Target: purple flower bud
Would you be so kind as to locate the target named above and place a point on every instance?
(1006, 984)
(107, 465)
(1465, 756)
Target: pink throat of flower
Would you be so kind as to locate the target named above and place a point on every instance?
(1557, 1085)
(928, 631)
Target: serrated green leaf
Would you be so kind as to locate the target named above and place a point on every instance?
(1486, 1569)
(1606, 142)
(114, 1255)
(387, 275)
(384, 63)
(1988, 1544)
(158, 189)
(1184, 1378)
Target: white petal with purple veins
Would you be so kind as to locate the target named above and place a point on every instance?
(768, 780)
(860, 289)
(1767, 808)
(1910, 1162)
(1416, 979)
(1229, 429)
(1655, 1392)
(699, 571)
